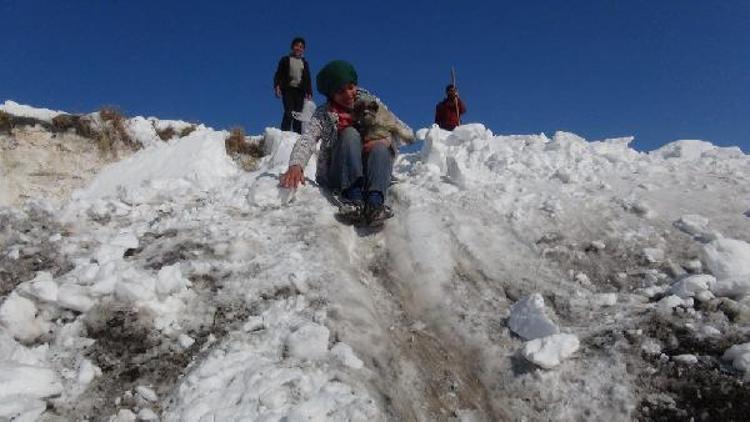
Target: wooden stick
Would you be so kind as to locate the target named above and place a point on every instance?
(455, 100)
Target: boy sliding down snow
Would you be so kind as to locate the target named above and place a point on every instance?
(356, 165)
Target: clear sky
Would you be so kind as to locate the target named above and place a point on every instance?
(658, 70)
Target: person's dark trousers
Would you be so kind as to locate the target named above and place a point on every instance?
(348, 164)
(293, 100)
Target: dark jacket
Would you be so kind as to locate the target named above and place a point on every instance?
(445, 113)
(281, 78)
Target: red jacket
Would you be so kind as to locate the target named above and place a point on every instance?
(445, 113)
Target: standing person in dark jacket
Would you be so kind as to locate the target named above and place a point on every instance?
(448, 112)
(292, 83)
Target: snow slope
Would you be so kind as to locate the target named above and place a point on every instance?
(523, 278)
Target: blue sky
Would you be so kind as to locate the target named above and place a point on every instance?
(658, 70)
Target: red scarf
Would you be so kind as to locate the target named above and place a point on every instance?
(345, 116)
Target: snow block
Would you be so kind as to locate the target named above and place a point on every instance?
(550, 351)
(739, 355)
(729, 261)
(23, 386)
(529, 320)
(310, 341)
(18, 316)
(728, 258)
(691, 286)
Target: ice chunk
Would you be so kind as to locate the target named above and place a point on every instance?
(18, 316)
(653, 255)
(729, 261)
(598, 245)
(739, 354)
(185, 340)
(693, 224)
(310, 341)
(710, 331)
(75, 297)
(694, 265)
(124, 415)
(734, 287)
(605, 299)
(147, 393)
(548, 352)
(691, 286)
(529, 320)
(346, 355)
(670, 302)
(27, 381)
(87, 371)
(147, 414)
(728, 258)
(686, 359)
(42, 287)
(169, 281)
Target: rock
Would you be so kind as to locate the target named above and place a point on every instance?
(529, 320)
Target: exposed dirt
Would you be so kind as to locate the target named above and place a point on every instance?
(706, 391)
(27, 246)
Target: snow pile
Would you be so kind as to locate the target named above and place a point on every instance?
(12, 107)
(251, 378)
(197, 161)
(694, 150)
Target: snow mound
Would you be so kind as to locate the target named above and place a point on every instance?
(197, 161)
(691, 149)
(12, 107)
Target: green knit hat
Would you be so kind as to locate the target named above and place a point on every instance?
(334, 76)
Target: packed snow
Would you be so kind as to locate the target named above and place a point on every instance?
(523, 277)
(21, 110)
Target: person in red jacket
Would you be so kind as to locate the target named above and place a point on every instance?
(448, 112)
